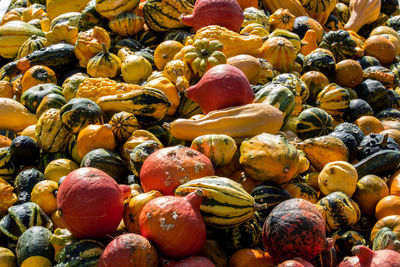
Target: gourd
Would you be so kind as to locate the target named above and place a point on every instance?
(37, 75)
(388, 205)
(95, 136)
(281, 19)
(166, 177)
(113, 9)
(203, 54)
(293, 6)
(179, 73)
(313, 122)
(123, 125)
(279, 52)
(104, 64)
(43, 194)
(126, 24)
(165, 52)
(345, 240)
(14, 116)
(62, 33)
(361, 13)
(386, 76)
(101, 196)
(381, 48)
(128, 249)
(319, 10)
(340, 44)
(8, 198)
(249, 65)
(338, 176)
(255, 15)
(225, 13)
(81, 252)
(230, 87)
(31, 44)
(367, 257)
(333, 99)
(166, 86)
(50, 101)
(134, 69)
(168, 221)
(32, 97)
(55, 8)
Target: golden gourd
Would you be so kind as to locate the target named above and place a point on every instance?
(338, 176)
(134, 69)
(104, 64)
(167, 87)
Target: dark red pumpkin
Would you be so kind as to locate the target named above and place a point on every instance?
(174, 224)
(194, 261)
(90, 202)
(220, 87)
(295, 263)
(129, 250)
(366, 257)
(168, 168)
(225, 13)
(295, 228)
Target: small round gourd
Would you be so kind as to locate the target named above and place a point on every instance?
(280, 53)
(123, 125)
(282, 19)
(104, 64)
(314, 122)
(338, 176)
(218, 148)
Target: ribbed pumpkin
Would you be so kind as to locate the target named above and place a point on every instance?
(334, 99)
(295, 228)
(112, 9)
(281, 19)
(338, 176)
(392, 222)
(340, 210)
(279, 52)
(123, 125)
(126, 24)
(51, 134)
(267, 157)
(167, 168)
(291, 36)
(313, 122)
(319, 10)
(104, 64)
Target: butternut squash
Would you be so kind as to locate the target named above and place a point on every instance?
(237, 122)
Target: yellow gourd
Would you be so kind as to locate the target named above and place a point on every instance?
(135, 69)
(7, 258)
(58, 168)
(95, 136)
(43, 194)
(338, 176)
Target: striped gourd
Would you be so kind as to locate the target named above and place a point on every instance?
(319, 10)
(31, 44)
(176, 35)
(225, 202)
(270, 194)
(291, 36)
(50, 101)
(126, 24)
(147, 38)
(50, 133)
(6, 166)
(313, 122)
(148, 105)
(280, 52)
(278, 96)
(388, 114)
(84, 252)
(297, 86)
(111, 9)
(70, 18)
(322, 62)
(334, 99)
(163, 15)
(302, 190)
(340, 44)
(123, 125)
(188, 108)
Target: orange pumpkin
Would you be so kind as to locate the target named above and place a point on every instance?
(250, 257)
(349, 73)
(392, 222)
(394, 184)
(5, 141)
(282, 19)
(369, 124)
(389, 205)
(165, 52)
(95, 136)
(280, 53)
(381, 48)
(168, 168)
(6, 89)
(37, 75)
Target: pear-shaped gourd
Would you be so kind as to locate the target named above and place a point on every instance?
(134, 69)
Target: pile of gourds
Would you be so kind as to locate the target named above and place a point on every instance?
(200, 133)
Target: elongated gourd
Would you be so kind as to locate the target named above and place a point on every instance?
(362, 12)
(239, 121)
(14, 116)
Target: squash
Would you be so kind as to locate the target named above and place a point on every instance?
(293, 6)
(123, 125)
(104, 64)
(338, 176)
(138, 137)
(384, 75)
(95, 136)
(292, 37)
(203, 54)
(43, 194)
(81, 252)
(8, 197)
(165, 15)
(340, 211)
(80, 112)
(50, 132)
(178, 35)
(386, 239)
(342, 77)
(373, 143)
(179, 73)
(31, 44)
(388, 205)
(374, 93)
(381, 48)
(134, 68)
(58, 168)
(254, 15)
(309, 42)
(315, 81)
(62, 33)
(279, 52)
(340, 44)
(392, 222)
(301, 190)
(319, 10)
(254, 29)
(7, 257)
(126, 24)
(281, 19)
(165, 52)
(361, 13)
(304, 23)
(37, 75)
(313, 122)
(52, 100)
(255, 152)
(320, 61)
(14, 116)
(333, 99)
(71, 85)
(32, 97)
(345, 240)
(55, 8)
(128, 249)
(369, 124)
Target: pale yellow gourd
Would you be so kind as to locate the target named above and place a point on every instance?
(14, 116)
(338, 176)
(134, 69)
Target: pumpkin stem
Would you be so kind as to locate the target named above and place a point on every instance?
(384, 140)
(166, 125)
(257, 206)
(105, 49)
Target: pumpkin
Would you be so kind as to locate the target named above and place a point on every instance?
(169, 222)
(392, 222)
(111, 10)
(338, 176)
(269, 150)
(369, 124)
(340, 211)
(166, 177)
(320, 61)
(295, 228)
(381, 48)
(95, 136)
(126, 24)
(346, 67)
(90, 202)
(123, 124)
(43, 194)
(279, 52)
(127, 250)
(203, 54)
(31, 44)
(104, 64)
(250, 257)
(281, 19)
(165, 52)
(313, 122)
(361, 13)
(249, 65)
(333, 99)
(388, 205)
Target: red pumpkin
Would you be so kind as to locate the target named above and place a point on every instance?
(295, 263)
(174, 224)
(225, 13)
(168, 168)
(129, 250)
(295, 228)
(366, 257)
(194, 261)
(90, 202)
(221, 87)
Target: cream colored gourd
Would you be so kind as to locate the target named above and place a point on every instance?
(362, 12)
(14, 116)
(338, 176)
(134, 69)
